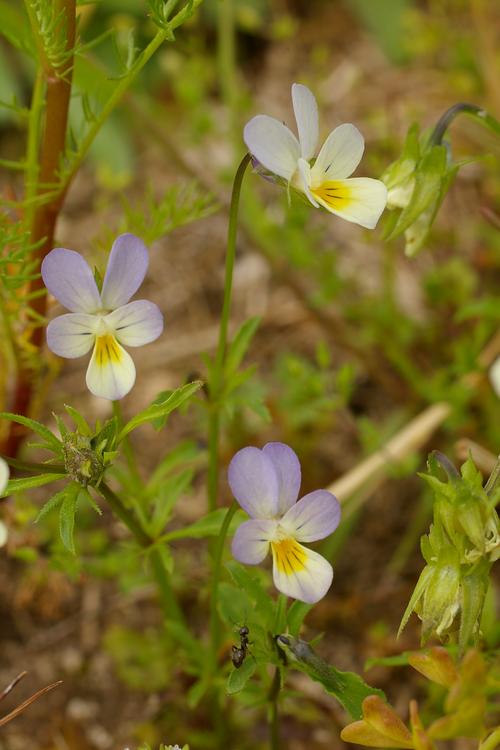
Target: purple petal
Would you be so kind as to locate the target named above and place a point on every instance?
(127, 266)
(314, 517)
(69, 279)
(137, 323)
(251, 541)
(72, 335)
(254, 482)
(287, 467)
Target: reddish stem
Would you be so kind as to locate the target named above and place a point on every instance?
(45, 215)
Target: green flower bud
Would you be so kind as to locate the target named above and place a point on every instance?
(81, 461)
(440, 602)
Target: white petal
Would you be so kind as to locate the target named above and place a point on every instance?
(4, 475)
(360, 200)
(127, 266)
(250, 543)
(300, 572)
(72, 335)
(273, 145)
(137, 323)
(306, 115)
(339, 155)
(314, 517)
(111, 371)
(495, 376)
(68, 277)
(304, 181)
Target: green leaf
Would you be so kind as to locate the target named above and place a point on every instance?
(161, 408)
(239, 345)
(238, 678)
(347, 687)
(26, 483)
(295, 616)
(52, 503)
(67, 516)
(209, 525)
(80, 421)
(251, 584)
(40, 429)
(234, 604)
(422, 582)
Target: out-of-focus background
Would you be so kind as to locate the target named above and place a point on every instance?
(355, 339)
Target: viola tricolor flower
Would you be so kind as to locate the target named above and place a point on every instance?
(323, 180)
(266, 484)
(102, 320)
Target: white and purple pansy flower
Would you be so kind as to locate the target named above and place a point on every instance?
(102, 320)
(323, 180)
(266, 484)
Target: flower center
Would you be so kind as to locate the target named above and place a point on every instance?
(334, 193)
(288, 555)
(106, 350)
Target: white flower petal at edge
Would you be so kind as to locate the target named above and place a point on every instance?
(137, 323)
(4, 475)
(127, 266)
(300, 572)
(324, 182)
(68, 277)
(72, 335)
(266, 483)
(495, 376)
(111, 371)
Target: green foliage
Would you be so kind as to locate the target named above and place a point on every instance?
(163, 405)
(347, 687)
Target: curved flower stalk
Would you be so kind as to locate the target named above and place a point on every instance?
(266, 484)
(105, 319)
(323, 180)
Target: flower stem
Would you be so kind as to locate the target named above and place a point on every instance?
(170, 606)
(216, 571)
(478, 113)
(274, 738)
(217, 378)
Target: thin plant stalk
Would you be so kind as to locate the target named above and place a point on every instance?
(169, 602)
(216, 574)
(477, 113)
(217, 378)
(274, 734)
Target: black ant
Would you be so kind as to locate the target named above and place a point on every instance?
(238, 653)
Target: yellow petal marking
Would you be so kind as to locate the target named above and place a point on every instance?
(334, 193)
(107, 350)
(289, 556)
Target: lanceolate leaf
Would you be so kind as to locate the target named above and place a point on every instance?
(238, 678)
(67, 516)
(26, 483)
(347, 687)
(161, 408)
(40, 429)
